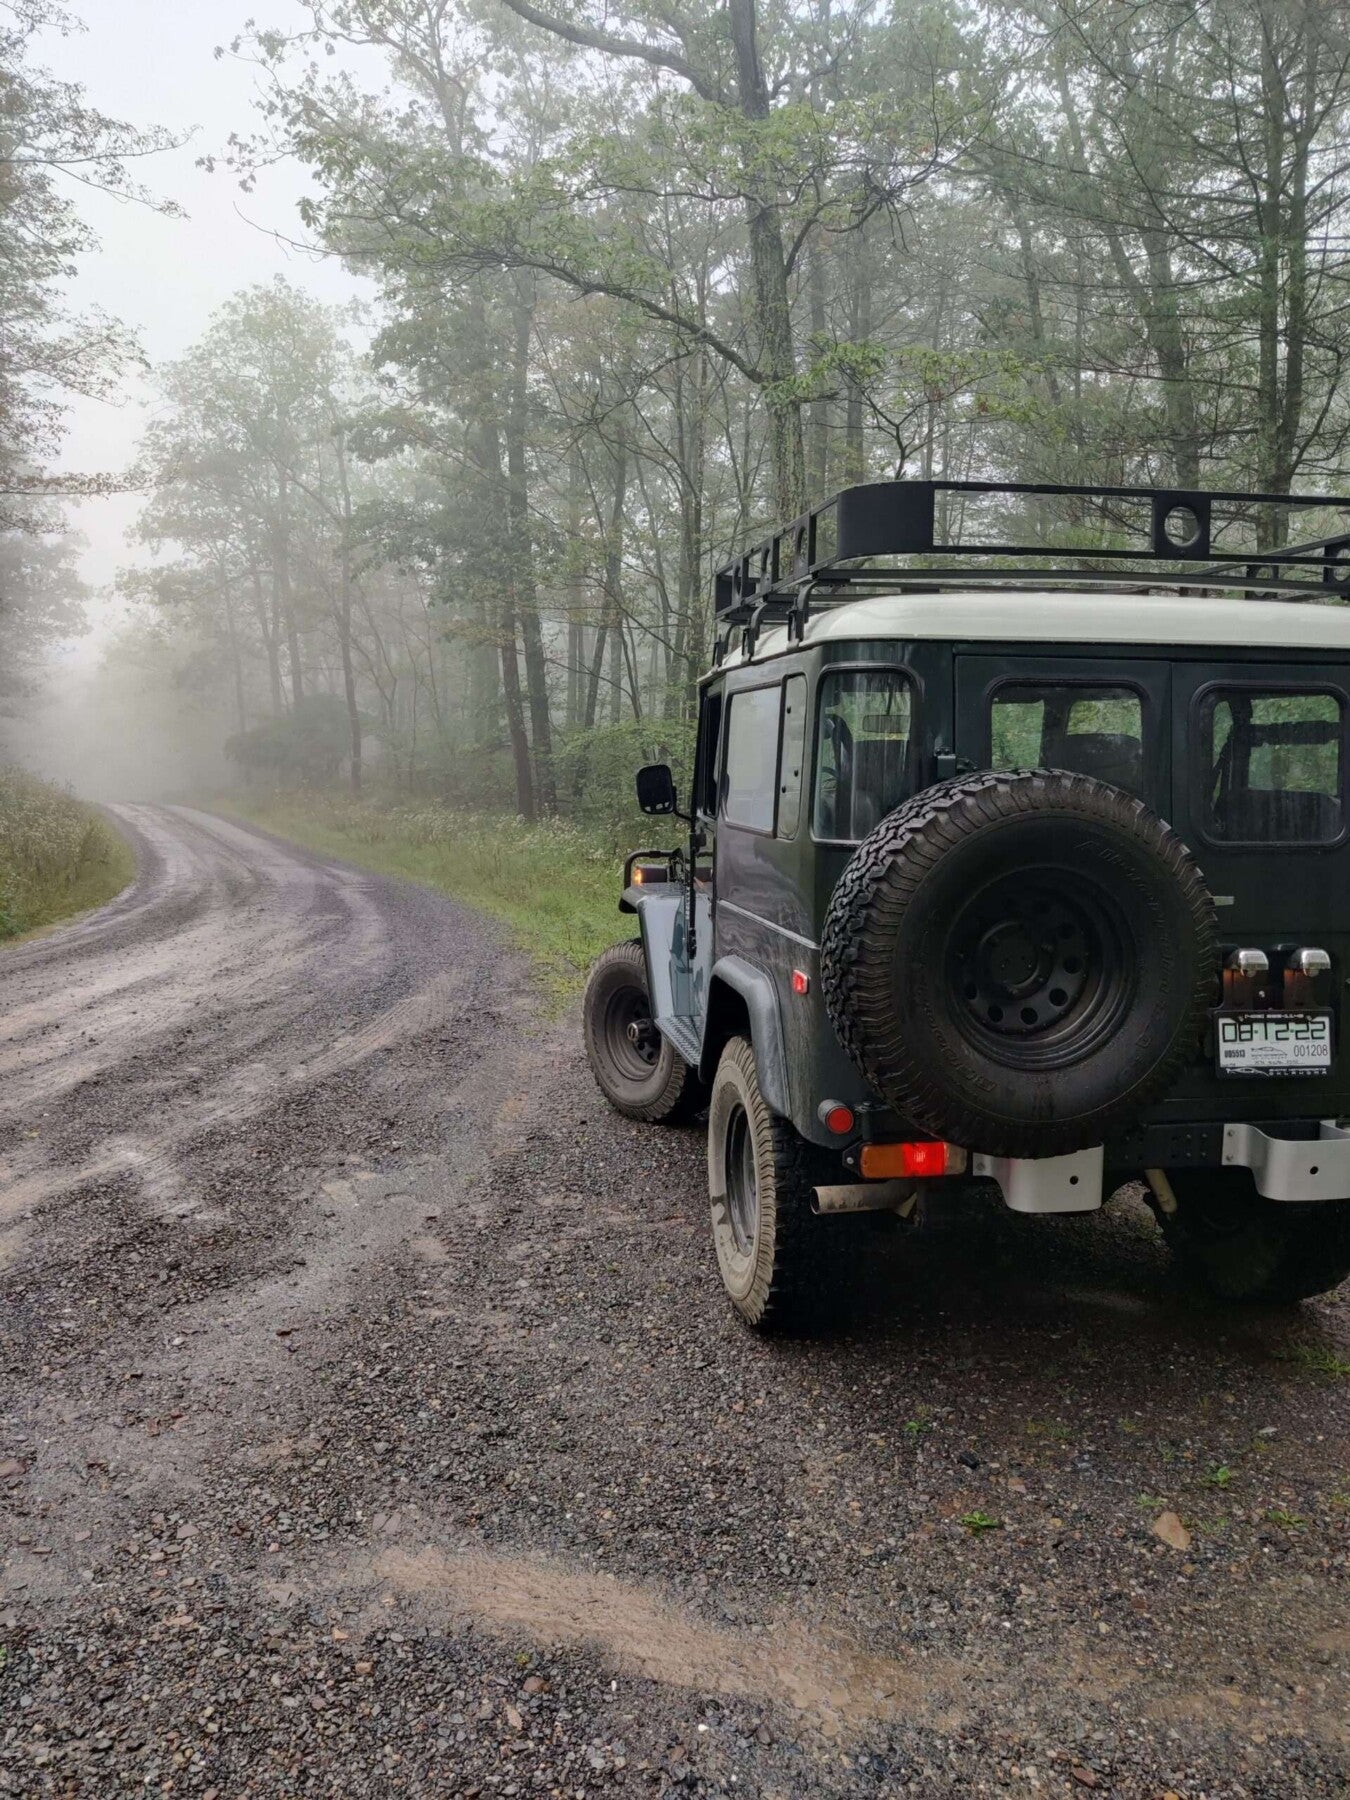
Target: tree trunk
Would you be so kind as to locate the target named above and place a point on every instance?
(515, 714)
(612, 615)
(504, 621)
(267, 631)
(281, 588)
(768, 263)
(344, 612)
(522, 556)
(860, 329)
(576, 609)
(236, 660)
(818, 424)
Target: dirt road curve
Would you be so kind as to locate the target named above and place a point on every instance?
(372, 1425)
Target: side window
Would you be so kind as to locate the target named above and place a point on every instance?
(862, 750)
(792, 762)
(1095, 730)
(705, 767)
(749, 780)
(1274, 766)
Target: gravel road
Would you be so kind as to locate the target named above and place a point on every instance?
(373, 1424)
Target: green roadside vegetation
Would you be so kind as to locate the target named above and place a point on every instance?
(58, 856)
(553, 883)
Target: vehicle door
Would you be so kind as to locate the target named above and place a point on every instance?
(1261, 798)
(695, 943)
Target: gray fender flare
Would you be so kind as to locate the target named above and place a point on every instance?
(757, 990)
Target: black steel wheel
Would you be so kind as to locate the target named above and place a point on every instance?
(638, 1070)
(1020, 962)
(1040, 966)
(1241, 1246)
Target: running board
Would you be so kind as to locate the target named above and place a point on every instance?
(683, 1036)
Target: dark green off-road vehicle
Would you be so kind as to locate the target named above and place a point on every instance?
(1031, 875)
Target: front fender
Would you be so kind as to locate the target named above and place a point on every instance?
(732, 975)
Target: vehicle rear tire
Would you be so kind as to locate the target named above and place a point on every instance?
(639, 1072)
(1020, 962)
(1241, 1246)
(784, 1267)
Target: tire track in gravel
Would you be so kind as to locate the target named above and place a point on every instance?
(103, 1023)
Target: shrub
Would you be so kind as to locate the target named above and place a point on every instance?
(57, 855)
(307, 744)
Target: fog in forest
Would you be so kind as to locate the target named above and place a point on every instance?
(409, 373)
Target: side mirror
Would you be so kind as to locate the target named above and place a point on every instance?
(656, 789)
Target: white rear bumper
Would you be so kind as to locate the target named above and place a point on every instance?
(1292, 1168)
(1282, 1168)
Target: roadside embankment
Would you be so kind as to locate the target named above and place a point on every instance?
(553, 884)
(58, 856)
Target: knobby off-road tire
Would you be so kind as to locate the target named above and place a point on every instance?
(1020, 962)
(638, 1071)
(784, 1267)
(1241, 1246)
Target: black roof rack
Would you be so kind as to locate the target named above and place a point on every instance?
(816, 556)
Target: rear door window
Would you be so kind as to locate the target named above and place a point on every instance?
(1095, 731)
(1274, 766)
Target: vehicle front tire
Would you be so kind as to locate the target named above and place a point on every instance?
(639, 1072)
(783, 1266)
(1243, 1247)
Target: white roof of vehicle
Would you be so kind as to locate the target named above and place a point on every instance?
(1060, 616)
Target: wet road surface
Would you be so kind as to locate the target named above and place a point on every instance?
(373, 1425)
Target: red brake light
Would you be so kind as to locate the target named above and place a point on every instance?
(801, 982)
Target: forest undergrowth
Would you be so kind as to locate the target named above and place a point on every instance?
(58, 856)
(555, 885)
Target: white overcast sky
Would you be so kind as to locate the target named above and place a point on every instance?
(152, 62)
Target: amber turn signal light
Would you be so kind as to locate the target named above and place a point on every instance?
(886, 1162)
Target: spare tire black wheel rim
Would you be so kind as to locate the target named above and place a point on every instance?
(1041, 967)
(742, 1191)
(632, 1039)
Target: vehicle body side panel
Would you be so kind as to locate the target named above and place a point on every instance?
(760, 993)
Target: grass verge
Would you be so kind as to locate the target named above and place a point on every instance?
(58, 856)
(555, 887)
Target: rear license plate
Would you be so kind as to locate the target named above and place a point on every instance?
(1273, 1043)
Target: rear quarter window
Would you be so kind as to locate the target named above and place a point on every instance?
(865, 722)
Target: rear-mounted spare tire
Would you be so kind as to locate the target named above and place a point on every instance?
(1020, 962)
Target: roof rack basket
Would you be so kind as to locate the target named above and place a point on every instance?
(1178, 531)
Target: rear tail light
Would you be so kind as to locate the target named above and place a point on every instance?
(886, 1162)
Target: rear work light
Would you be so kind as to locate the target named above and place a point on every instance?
(886, 1162)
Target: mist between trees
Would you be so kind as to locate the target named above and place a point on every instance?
(646, 279)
